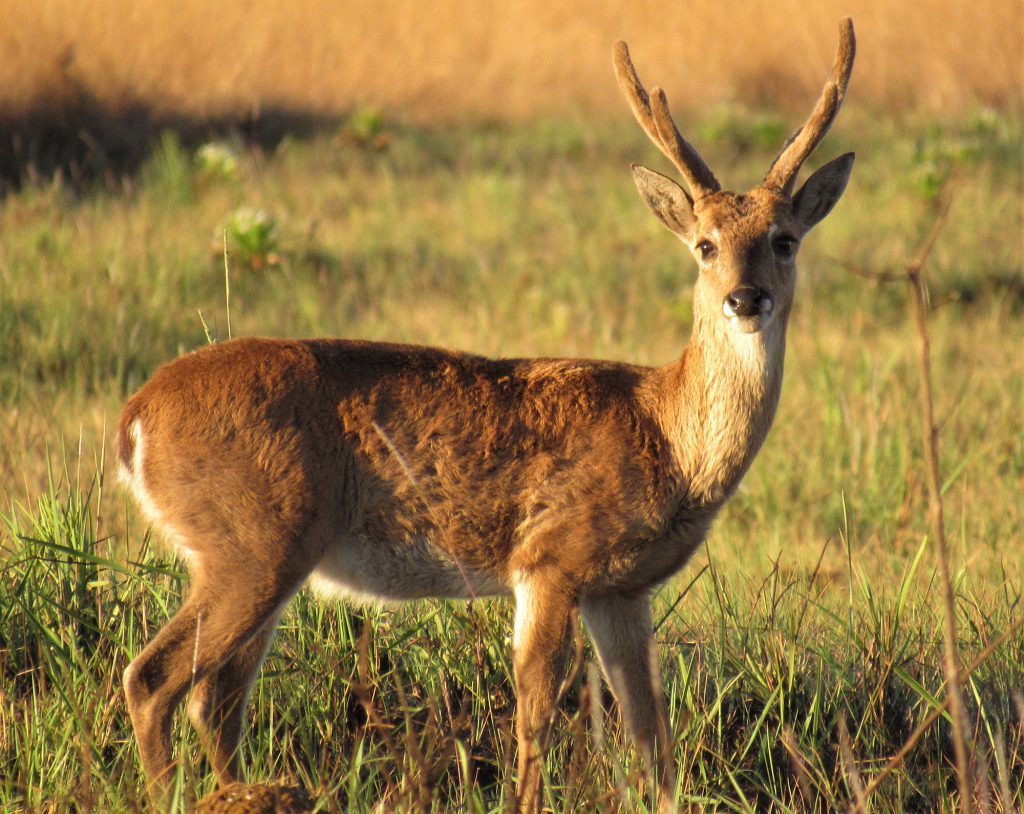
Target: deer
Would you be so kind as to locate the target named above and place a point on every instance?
(391, 472)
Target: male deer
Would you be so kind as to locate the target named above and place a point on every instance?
(397, 472)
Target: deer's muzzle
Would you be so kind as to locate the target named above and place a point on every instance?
(747, 301)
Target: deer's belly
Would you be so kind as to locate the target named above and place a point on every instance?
(369, 569)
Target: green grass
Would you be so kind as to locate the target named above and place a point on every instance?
(818, 607)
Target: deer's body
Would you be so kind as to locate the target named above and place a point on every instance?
(398, 472)
(450, 476)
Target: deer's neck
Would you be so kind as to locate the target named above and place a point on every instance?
(723, 395)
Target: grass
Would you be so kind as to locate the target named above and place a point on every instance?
(813, 609)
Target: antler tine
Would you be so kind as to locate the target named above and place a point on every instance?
(783, 171)
(633, 90)
(698, 174)
(657, 123)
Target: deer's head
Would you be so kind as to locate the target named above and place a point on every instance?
(745, 244)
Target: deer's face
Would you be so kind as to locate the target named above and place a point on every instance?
(745, 247)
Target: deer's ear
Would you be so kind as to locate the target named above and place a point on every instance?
(667, 200)
(822, 190)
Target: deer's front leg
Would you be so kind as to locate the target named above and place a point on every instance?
(540, 645)
(623, 636)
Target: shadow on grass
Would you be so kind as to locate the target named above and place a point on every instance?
(87, 143)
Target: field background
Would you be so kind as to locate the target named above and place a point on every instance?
(447, 60)
(458, 174)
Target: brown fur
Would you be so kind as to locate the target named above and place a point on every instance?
(399, 472)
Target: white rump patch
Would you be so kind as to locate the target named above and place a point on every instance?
(133, 478)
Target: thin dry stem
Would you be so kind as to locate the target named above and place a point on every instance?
(799, 766)
(860, 803)
(936, 515)
(913, 276)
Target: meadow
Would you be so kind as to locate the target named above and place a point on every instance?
(801, 647)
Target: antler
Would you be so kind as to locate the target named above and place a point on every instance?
(656, 120)
(801, 144)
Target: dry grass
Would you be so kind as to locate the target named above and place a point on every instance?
(517, 58)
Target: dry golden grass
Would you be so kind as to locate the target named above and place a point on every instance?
(448, 59)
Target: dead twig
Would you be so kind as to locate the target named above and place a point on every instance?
(913, 276)
(860, 804)
(930, 440)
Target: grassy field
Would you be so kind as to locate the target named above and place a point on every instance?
(800, 648)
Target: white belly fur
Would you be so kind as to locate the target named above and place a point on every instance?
(373, 570)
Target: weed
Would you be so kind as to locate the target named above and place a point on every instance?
(252, 237)
(365, 128)
(217, 160)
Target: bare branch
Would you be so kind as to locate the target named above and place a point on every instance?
(913, 276)
(925, 249)
(866, 273)
(930, 442)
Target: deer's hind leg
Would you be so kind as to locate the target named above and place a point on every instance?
(217, 703)
(215, 642)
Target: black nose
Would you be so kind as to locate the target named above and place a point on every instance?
(747, 301)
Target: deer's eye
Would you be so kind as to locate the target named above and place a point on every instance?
(707, 249)
(784, 246)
